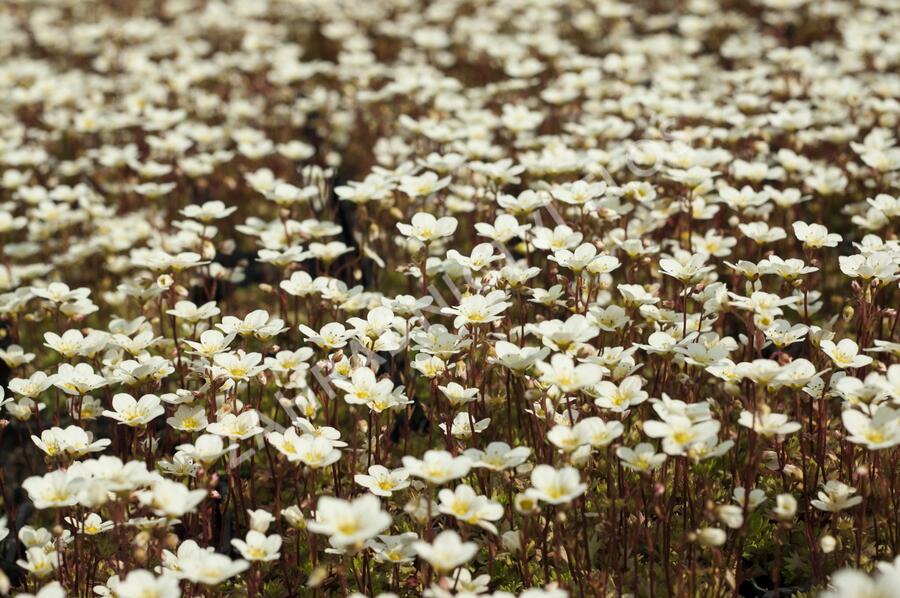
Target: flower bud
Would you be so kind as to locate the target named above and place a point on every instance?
(731, 515)
(260, 520)
(512, 541)
(294, 516)
(711, 536)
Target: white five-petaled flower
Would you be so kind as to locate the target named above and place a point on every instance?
(815, 236)
(641, 458)
(836, 496)
(555, 486)
(349, 522)
(767, 423)
(381, 481)
(426, 228)
(446, 552)
(563, 373)
(437, 466)
(876, 432)
(679, 433)
(468, 506)
(845, 353)
(133, 412)
(258, 546)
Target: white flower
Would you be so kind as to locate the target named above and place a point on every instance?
(437, 467)
(880, 431)
(711, 536)
(257, 324)
(349, 522)
(446, 552)
(474, 509)
(518, 358)
(482, 256)
(52, 590)
(578, 260)
(54, 489)
(836, 496)
(762, 233)
(426, 228)
(209, 211)
(462, 426)
(73, 441)
(363, 387)
(621, 397)
(457, 394)
(207, 449)
(257, 546)
(211, 342)
(505, 227)
(170, 499)
(73, 342)
(561, 237)
(680, 433)
(190, 312)
(39, 562)
(555, 486)
(313, 451)
(845, 354)
(394, 549)
(77, 380)
(578, 192)
(815, 236)
(757, 497)
(642, 457)
(566, 336)
(785, 507)
(768, 424)
(134, 413)
(146, 585)
(429, 366)
(188, 418)
(238, 366)
(236, 427)
(287, 443)
(422, 185)
(687, 269)
(382, 481)
(565, 375)
(731, 515)
(59, 292)
(208, 567)
(850, 583)
(880, 266)
(260, 520)
(300, 284)
(498, 456)
(332, 335)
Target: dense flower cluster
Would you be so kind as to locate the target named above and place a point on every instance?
(511, 298)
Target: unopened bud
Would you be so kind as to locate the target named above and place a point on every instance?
(140, 555)
(847, 313)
